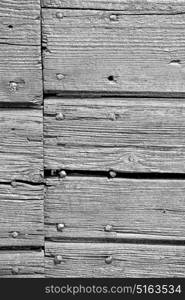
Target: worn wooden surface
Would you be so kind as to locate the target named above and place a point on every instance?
(142, 135)
(99, 48)
(21, 212)
(21, 264)
(21, 145)
(20, 22)
(128, 260)
(21, 140)
(20, 52)
(125, 6)
(87, 50)
(86, 205)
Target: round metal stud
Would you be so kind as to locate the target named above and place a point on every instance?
(15, 234)
(113, 18)
(59, 116)
(15, 270)
(62, 174)
(57, 259)
(13, 86)
(59, 15)
(108, 228)
(60, 76)
(112, 174)
(60, 227)
(109, 259)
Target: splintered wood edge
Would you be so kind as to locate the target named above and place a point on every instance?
(126, 6)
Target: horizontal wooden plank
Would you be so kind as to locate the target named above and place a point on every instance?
(21, 145)
(127, 6)
(127, 134)
(123, 260)
(93, 50)
(21, 264)
(98, 207)
(21, 215)
(20, 74)
(20, 22)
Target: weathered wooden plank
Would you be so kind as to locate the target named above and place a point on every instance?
(93, 50)
(127, 6)
(21, 215)
(20, 52)
(20, 22)
(21, 264)
(128, 260)
(21, 145)
(20, 74)
(127, 134)
(98, 207)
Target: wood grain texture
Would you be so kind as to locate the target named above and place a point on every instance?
(135, 209)
(20, 52)
(21, 264)
(88, 50)
(127, 6)
(21, 145)
(126, 134)
(20, 75)
(21, 211)
(20, 22)
(129, 260)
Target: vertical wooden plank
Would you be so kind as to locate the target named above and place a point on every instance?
(21, 140)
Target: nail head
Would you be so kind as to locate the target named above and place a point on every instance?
(15, 270)
(108, 260)
(13, 86)
(13, 184)
(58, 259)
(62, 174)
(59, 116)
(60, 227)
(113, 17)
(108, 228)
(59, 15)
(60, 76)
(14, 234)
(112, 174)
